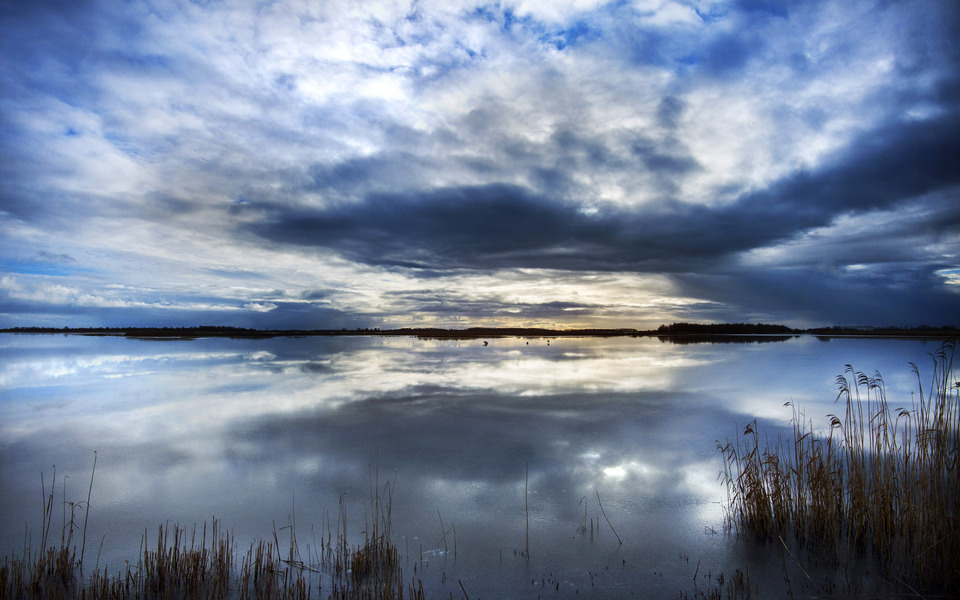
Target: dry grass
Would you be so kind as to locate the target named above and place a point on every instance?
(371, 571)
(188, 564)
(882, 481)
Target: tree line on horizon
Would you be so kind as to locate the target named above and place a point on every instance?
(725, 329)
(674, 329)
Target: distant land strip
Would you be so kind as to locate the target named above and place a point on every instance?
(675, 330)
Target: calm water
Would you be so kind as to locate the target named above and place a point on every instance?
(261, 432)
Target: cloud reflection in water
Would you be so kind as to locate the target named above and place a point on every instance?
(248, 429)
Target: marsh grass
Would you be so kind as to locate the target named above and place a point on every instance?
(739, 586)
(880, 481)
(189, 563)
(371, 570)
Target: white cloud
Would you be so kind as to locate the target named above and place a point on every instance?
(950, 276)
(556, 11)
(260, 306)
(665, 13)
(41, 291)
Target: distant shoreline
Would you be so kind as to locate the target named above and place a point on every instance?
(691, 331)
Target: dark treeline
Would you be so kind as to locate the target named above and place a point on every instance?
(677, 332)
(725, 329)
(715, 338)
(922, 330)
(691, 333)
(479, 332)
(241, 332)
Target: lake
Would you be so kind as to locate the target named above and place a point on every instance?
(598, 456)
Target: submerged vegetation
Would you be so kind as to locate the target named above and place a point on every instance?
(880, 479)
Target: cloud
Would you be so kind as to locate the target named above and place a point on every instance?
(260, 306)
(852, 296)
(40, 292)
(499, 226)
(206, 154)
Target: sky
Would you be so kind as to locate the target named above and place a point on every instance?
(531, 163)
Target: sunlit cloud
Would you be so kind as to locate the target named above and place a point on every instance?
(951, 276)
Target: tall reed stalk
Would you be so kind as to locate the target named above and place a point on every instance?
(371, 571)
(880, 480)
(200, 564)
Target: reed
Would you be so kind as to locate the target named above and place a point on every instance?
(608, 520)
(371, 571)
(881, 481)
(200, 563)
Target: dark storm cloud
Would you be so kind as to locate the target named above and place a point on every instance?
(661, 162)
(481, 227)
(498, 226)
(300, 315)
(881, 239)
(886, 166)
(909, 296)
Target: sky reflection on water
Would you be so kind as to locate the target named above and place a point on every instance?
(251, 430)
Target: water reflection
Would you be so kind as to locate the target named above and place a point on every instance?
(251, 430)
